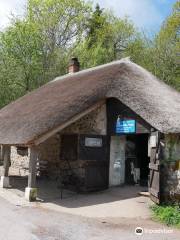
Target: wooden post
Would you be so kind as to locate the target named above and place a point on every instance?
(1, 156)
(31, 190)
(32, 167)
(6, 153)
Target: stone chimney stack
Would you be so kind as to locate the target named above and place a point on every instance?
(74, 65)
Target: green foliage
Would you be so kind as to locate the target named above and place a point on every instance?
(167, 214)
(96, 26)
(164, 50)
(107, 38)
(21, 51)
(35, 49)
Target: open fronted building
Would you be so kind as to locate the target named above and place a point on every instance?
(106, 126)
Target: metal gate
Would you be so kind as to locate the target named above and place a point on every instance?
(154, 166)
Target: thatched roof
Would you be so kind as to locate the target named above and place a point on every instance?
(53, 104)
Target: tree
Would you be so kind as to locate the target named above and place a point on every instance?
(161, 53)
(167, 47)
(36, 49)
(96, 24)
(107, 38)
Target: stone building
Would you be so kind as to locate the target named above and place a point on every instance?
(106, 126)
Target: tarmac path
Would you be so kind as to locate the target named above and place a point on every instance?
(36, 223)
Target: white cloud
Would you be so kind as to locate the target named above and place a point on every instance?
(7, 7)
(144, 13)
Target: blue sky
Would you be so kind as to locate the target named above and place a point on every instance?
(147, 15)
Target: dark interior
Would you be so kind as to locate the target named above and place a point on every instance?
(137, 153)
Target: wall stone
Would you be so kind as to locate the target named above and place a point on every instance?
(49, 152)
(172, 147)
(171, 168)
(49, 157)
(93, 123)
(19, 164)
(18, 161)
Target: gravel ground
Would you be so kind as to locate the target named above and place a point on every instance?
(36, 223)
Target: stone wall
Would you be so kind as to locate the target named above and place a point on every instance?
(171, 168)
(92, 123)
(19, 164)
(49, 157)
(49, 151)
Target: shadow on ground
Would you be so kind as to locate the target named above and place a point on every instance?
(48, 191)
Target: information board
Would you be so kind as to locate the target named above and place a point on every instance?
(93, 142)
(125, 126)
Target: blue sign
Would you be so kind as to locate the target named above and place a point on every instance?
(125, 126)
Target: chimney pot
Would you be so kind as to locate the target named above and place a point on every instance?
(74, 65)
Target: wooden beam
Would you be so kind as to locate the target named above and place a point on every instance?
(32, 167)
(72, 120)
(6, 153)
(1, 154)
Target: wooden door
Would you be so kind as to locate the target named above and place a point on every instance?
(154, 166)
(93, 151)
(96, 175)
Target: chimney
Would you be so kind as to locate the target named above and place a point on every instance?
(74, 65)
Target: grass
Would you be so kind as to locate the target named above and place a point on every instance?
(169, 215)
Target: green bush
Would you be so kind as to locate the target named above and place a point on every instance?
(167, 214)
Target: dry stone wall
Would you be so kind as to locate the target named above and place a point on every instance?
(171, 168)
(19, 164)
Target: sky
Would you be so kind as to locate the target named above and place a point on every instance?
(147, 15)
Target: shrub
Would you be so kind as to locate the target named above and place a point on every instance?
(167, 214)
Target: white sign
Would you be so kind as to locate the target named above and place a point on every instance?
(93, 142)
(153, 141)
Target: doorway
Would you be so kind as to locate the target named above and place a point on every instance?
(137, 160)
(129, 161)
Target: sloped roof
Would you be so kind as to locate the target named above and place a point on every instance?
(51, 105)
